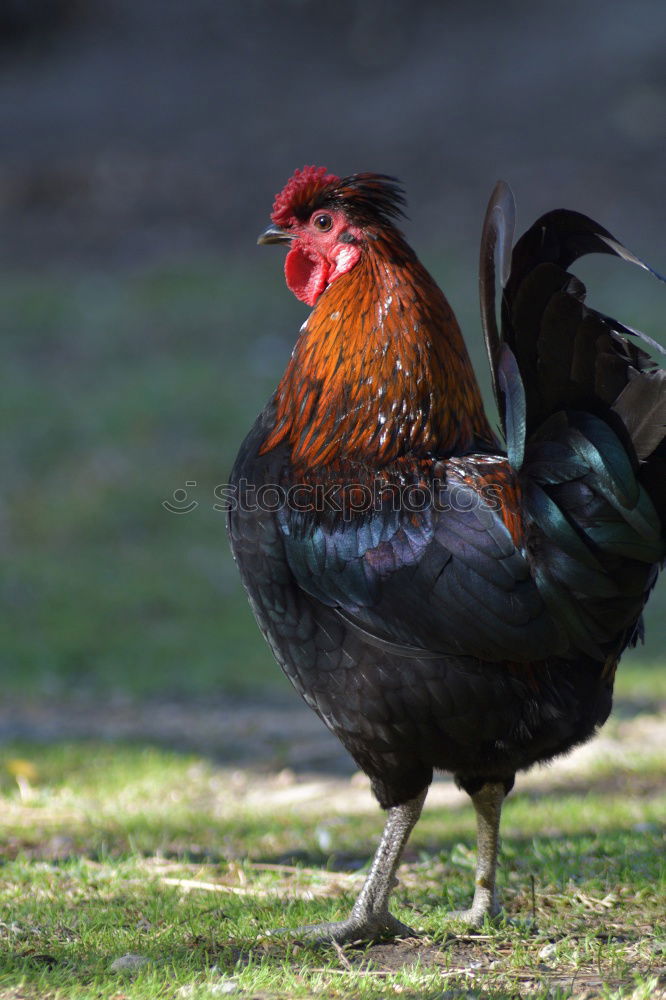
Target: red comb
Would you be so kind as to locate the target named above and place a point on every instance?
(301, 188)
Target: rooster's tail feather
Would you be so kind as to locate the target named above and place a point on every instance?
(583, 409)
(569, 357)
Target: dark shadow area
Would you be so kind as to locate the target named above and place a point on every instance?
(266, 736)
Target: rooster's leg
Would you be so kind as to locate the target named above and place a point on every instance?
(370, 919)
(488, 805)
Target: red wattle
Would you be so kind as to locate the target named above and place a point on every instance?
(306, 275)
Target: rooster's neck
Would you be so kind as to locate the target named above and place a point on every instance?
(380, 370)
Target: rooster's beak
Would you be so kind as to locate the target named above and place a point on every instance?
(274, 235)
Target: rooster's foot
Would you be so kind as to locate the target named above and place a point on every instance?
(474, 917)
(370, 919)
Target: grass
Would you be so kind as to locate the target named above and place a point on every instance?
(113, 850)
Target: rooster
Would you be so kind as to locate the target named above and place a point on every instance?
(440, 599)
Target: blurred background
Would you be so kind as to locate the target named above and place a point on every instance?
(141, 144)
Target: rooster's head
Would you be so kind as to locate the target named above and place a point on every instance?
(328, 222)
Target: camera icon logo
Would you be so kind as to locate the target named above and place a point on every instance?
(179, 503)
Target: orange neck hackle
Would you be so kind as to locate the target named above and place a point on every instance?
(380, 371)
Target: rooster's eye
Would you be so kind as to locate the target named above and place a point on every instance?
(323, 223)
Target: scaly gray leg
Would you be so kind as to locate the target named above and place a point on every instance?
(488, 805)
(370, 919)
